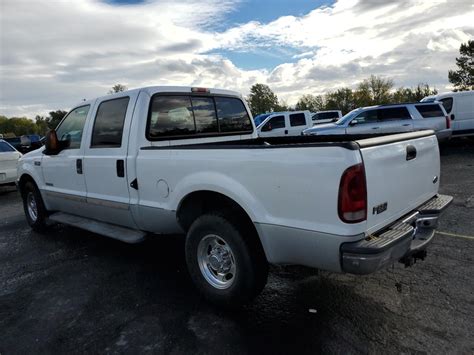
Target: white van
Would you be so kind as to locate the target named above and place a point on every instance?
(460, 108)
(281, 124)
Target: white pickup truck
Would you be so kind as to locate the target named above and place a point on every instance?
(283, 124)
(164, 160)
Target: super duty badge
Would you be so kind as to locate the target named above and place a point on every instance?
(380, 208)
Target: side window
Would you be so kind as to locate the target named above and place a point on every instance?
(274, 123)
(72, 126)
(430, 110)
(232, 115)
(393, 114)
(204, 114)
(171, 116)
(297, 119)
(369, 116)
(108, 124)
(448, 104)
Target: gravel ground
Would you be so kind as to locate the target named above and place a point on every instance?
(71, 291)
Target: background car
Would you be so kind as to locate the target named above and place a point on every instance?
(383, 119)
(326, 116)
(8, 163)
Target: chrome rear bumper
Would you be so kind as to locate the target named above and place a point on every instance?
(405, 240)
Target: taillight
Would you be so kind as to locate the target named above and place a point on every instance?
(352, 205)
(448, 122)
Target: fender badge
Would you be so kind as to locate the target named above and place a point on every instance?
(435, 179)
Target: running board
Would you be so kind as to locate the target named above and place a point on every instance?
(123, 234)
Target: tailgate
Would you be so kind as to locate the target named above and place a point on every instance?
(402, 172)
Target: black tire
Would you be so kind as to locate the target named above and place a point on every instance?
(250, 264)
(28, 192)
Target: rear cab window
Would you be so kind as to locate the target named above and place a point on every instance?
(427, 111)
(192, 116)
(325, 115)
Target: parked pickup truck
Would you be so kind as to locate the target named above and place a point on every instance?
(165, 160)
(397, 118)
(281, 124)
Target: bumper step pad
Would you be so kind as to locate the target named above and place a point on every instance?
(436, 205)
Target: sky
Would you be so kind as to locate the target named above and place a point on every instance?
(55, 53)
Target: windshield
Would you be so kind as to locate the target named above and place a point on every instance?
(348, 117)
(5, 147)
(260, 118)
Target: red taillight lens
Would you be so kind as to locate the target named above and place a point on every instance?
(352, 206)
(448, 122)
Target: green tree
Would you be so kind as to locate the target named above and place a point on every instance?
(54, 118)
(463, 78)
(262, 99)
(310, 102)
(117, 88)
(412, 94)
(342, 99)
(373, 91)
(41, 124)
(17, 125)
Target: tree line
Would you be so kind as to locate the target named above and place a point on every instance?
(371, 91)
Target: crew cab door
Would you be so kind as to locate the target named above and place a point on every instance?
(297, 123)
(64, 184)
(274, 127)
(105, 158)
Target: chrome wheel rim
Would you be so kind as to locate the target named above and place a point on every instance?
(31, 206)
(216, 261)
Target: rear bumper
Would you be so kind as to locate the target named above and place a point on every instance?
(406, 240)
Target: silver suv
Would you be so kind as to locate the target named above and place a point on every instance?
(390, 119)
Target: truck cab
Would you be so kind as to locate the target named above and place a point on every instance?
(281, 124)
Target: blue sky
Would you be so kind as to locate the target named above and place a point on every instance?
(55, 53)
(263, 11)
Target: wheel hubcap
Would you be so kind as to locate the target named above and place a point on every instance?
(31, 205)
(216, 261)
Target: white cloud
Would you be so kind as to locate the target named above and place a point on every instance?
(54, 53)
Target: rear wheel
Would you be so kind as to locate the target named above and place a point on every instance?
(33, 206)
(224, 260)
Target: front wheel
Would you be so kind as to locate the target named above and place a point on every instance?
(224, 260)
(33, 206)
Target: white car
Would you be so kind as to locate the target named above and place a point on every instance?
(166, 160)
(284, 124)
(460, 108)
(326, 116)
(8, 163)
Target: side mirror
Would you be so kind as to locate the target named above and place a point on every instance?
(335, 119)
(353, 123)
(51, 143)
(452, 116)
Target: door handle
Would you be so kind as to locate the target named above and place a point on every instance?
(411, 152)
(405, 125)
(79, 166)
(286, 131)
(375, 127)
(120, 168)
